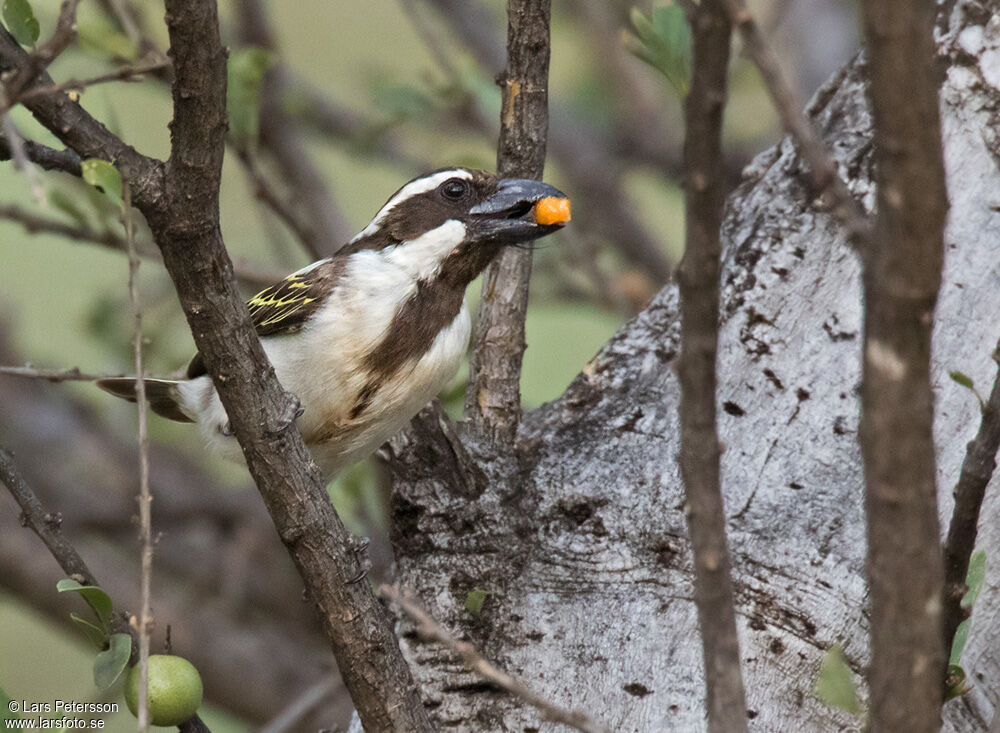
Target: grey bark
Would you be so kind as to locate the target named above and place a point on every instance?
(581, 543)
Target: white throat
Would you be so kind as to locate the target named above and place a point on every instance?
(422, 257)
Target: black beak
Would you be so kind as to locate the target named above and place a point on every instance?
(508, 216)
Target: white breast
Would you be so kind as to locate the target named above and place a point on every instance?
(324, 363)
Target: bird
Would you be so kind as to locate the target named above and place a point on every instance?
(367, 337)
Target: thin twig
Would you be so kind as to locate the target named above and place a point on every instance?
(145, 499)
(20, 157)
(250, 273)
(73, 374)
(321, 228)
(977, 470)
(823, 170)
(43, 156)
(126, 73)
(46, 525)
(698, 277)
(493, 397)
(25, 75)
(282, 207)
(431, 629)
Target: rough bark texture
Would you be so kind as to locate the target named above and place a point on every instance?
(698, 280)
(180, 202)
(493, 400)
(583, 549)
(902, 274)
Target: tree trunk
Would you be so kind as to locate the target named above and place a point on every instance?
(580, 541)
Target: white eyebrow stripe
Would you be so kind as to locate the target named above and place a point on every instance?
(421, 185)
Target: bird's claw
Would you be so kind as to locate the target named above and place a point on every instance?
(360, 544)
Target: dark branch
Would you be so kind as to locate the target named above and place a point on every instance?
(977, 470)
(74, 126)
(42, 523)
(698, 278)
(43, 156)
(493, 399)
(902, 275)
(125, 73)
(16, 86)
(262, 414)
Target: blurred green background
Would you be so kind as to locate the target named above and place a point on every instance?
(65, 303)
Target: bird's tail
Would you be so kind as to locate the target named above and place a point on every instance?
(161, 394)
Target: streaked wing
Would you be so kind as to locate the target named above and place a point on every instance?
(286, 307)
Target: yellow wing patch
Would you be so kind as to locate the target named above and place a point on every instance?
(286, 306)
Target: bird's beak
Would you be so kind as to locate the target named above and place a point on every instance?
(520, 210)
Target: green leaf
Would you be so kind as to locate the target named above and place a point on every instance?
(955, 682)
(95, 597)
(97, 635)
(474, 600)
(104, 176)
(21, 21)
(112, 661)
(958, 643)
(961, 378)
(974, 578)
(664, 42)
(835, 685)
(247, 67)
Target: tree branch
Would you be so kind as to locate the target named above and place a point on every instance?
(431, 629)
(53, 375)
(42, 523)
(249, 273)
(581, 153)
(901, 278)
(43, 156)
(125, 73)
(826, 180)
(87, 137)
(262, 414)
(145, 498)
(493, 399)
(17, 84)
(977, 470)
(698, 278)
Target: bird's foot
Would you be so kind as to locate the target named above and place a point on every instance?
(360, 544)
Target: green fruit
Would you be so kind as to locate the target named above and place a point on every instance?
(174, 690)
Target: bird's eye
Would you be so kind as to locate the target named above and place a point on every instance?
(454, 189)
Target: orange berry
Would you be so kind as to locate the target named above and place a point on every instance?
(552, 210)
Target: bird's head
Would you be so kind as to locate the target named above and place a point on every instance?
(454, 221)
